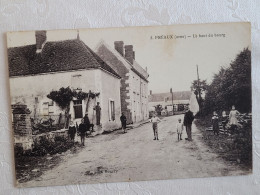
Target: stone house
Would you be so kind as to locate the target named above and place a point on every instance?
(134, 79)
(35, 70)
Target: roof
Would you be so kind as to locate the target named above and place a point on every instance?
(140, 70)
(135, 67)
(55, 56)
(179, 95)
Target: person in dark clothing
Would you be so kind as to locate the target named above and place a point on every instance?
(82, 132)
(188, 119)
(72, 131)
(86, 119)
(215, 123)
(98, 113)
(123, 122)
(87, 123)
(224, 121)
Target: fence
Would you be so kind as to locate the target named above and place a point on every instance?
(242, 120)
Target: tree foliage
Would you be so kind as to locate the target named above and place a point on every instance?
(199, 87)
(231, 86)
(62, 97)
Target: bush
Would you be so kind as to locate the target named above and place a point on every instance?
(45, 146)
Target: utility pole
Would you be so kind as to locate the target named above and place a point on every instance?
(198, 88)
(198, 81)
(197, 71)
(172, 100)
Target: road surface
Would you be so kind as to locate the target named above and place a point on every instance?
(135, 156)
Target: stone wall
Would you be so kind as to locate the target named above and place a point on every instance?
(22, 126)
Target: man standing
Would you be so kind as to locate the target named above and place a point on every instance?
(98, 113)
(123, 122)
(188, 118)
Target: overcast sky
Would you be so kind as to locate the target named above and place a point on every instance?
(170, 62)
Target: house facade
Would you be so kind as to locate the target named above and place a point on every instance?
(175, 101)
(36, 70)
(134, 79)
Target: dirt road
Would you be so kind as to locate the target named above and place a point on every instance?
(136, 156)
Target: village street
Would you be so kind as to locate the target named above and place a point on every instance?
(135, 156)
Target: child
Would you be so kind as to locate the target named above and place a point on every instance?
(179, 128)
(224, 120)
(155, 120)
(72, 131)
(214, 121)
(82, 132)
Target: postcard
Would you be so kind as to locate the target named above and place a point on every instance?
(131, 104)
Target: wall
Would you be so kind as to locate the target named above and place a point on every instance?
(110, 90)
(26, 88)
(119, 64)
(133, 92)
(168, 103)
(138, 93)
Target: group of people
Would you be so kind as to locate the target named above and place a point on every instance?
(188, 119)
(83, 128)
(231, 119)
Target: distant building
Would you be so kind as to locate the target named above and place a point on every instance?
(35, 70)
(134, 82)
(176, 101)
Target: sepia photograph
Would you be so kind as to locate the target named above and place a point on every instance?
(131, 103)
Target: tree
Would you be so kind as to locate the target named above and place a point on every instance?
(231, 86)
(198, 88)
(62, 97)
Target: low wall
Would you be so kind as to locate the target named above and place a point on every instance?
(49, 136)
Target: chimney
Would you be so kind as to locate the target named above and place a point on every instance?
(129, 53)
(151, 92)
(146, 69)
(40, 40)
(134, 55)
(119, 46)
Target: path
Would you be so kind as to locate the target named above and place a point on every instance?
(136, 156)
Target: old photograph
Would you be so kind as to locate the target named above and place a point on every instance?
(131, 103)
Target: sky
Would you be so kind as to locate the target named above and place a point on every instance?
(171, 62)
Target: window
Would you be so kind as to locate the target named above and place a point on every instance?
(76, 81)
(78, 108)
(112, 110)
(45, 108)
(51, 107)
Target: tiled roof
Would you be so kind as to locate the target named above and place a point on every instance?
(179, 95)
(54, 57)
(134, 67)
